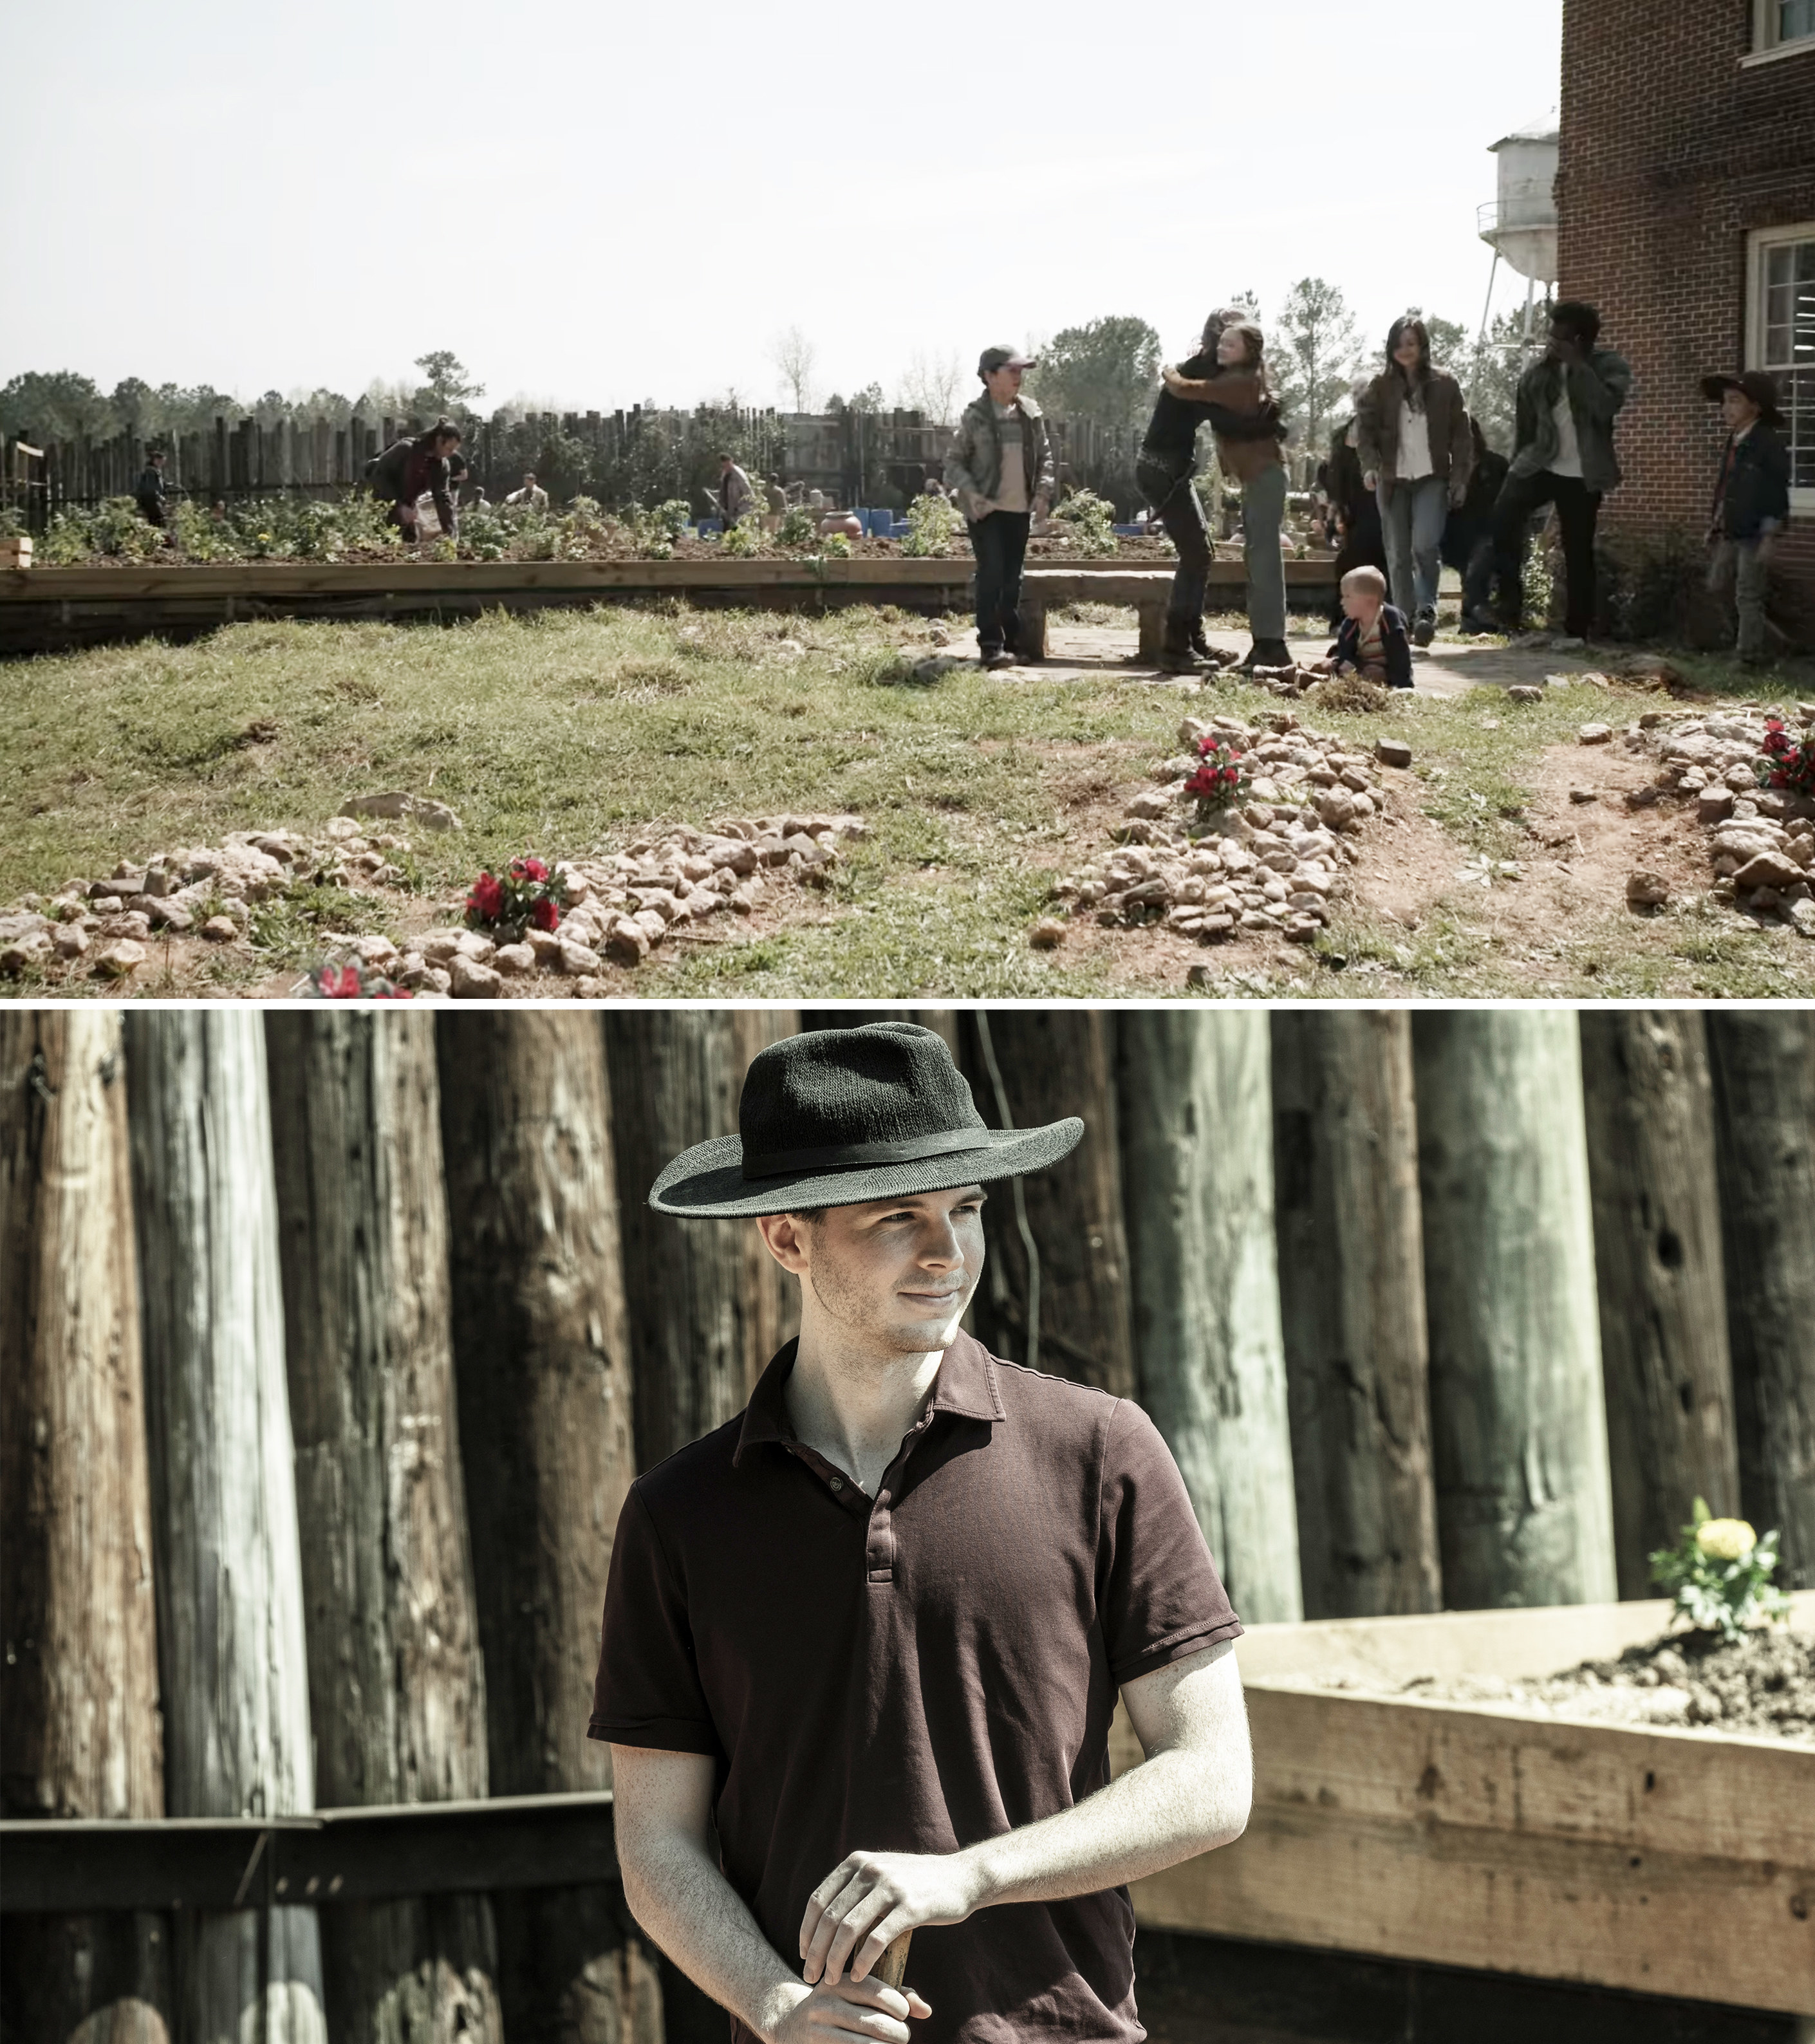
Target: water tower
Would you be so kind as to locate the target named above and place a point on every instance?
(1519, 224)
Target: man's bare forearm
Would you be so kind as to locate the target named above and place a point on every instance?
(699, 1918)
(1171, 1807)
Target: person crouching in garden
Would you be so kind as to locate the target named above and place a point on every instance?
(1248, 453)
(1751, 499)
(1373, 641)
(1411, 435)
(1000, 468)
(862, 1644)
(410, 469)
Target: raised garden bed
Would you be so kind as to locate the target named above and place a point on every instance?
(44, 609)
(1499, 1834)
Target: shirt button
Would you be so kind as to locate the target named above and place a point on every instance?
(838, 1483)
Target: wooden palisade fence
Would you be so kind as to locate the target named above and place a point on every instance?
(329, 1345)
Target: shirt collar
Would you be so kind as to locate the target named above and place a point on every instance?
(965, 1387)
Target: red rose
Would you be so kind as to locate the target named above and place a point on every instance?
(487, 899)
(544, 914)
(533, 869)
(339, 982)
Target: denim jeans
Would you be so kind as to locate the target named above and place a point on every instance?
(1170, 492)
(1577, 508)
(1746, 565)
(1413, 515)
(1263, 513)
(999, 541)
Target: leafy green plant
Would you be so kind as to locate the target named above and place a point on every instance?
(1719, 1575)
(932, 522)
(118, 529)
(835, 546)
(1541, 584)
(741, 541)
(797, 527)
(672, 517)
(1089, 521)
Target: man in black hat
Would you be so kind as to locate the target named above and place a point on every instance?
(1000, 468)
(862, 1644)
(1751, 499)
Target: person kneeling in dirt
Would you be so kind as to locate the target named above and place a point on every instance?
(410, 469)
(1751, 499)
(1227, 381)
(1373, 642)
(532, 497)
(1000, 469)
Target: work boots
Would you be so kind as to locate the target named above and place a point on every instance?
(1175, 654)
(1267, 653)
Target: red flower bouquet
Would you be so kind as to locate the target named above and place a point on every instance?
(1787, 764)
(528, 896)
(1221, 780)
(352, 980)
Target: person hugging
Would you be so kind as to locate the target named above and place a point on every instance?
(1373, 642)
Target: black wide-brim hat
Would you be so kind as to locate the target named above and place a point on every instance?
(837, 1117)
(1756, 384)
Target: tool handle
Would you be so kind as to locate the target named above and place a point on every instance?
(890, 1968)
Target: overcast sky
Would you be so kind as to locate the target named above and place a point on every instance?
(596, 204)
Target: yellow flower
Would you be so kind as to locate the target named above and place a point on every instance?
(1725, 1539)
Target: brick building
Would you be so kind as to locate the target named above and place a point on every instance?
(1686, 211)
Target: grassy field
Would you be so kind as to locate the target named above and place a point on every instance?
(565, 732)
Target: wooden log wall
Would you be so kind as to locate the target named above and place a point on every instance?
(439, 1238)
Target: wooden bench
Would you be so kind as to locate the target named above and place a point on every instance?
(1147, 589)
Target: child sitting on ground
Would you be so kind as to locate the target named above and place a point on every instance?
(1373, 641)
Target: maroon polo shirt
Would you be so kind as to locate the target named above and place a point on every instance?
(915, 1671)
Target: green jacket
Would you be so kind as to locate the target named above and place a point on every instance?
(1598, 388)
(973, 467)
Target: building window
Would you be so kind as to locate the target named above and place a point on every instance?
(1780, 337)
(1779, 24)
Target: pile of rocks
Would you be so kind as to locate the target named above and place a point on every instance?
(622, 904)
(206, 890)
(1761, 841)
(1269, 870)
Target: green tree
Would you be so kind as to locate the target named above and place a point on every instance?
(57, 405)
(1104, 370)
(1313, 355)
(444, 390)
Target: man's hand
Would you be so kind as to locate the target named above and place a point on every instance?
(1566, 349)
(1371, 481)
(1041, 508)
(838, 2011)
(1458, 492)
(869, 1899)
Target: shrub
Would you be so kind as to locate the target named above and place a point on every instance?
(797, 527)
(743, 540)
(1719, 1575)
(1088, 522)
(932, 522)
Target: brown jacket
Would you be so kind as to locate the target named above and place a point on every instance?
(1242, 391)
(1377, 428)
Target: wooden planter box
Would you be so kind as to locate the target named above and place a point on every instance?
(1676, 1862)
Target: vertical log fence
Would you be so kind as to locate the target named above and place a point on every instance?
(336, 1340)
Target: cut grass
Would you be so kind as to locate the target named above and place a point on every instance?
(563, 731)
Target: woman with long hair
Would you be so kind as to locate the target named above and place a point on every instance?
(1416, 449)
(1248, 432)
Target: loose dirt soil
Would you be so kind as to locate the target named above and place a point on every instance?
(1763, 1686)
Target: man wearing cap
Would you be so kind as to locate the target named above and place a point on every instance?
(1000, 468)
(1752, 499)
(862, 1644)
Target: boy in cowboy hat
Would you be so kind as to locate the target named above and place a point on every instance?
(862, 1644)
(1752, 499)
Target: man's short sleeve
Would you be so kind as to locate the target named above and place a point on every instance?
(648, 1691)
(1159, 1597)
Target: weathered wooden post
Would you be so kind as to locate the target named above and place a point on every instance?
(229, 1573)
(396, 1680)
(79, 1685)
(704, 1297)
(1764, 1123)
(1055, 1293)
(1352, 1300)
(1524, 1513)
(1197, 1175)
(1648, 1104)
(542, 1365)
